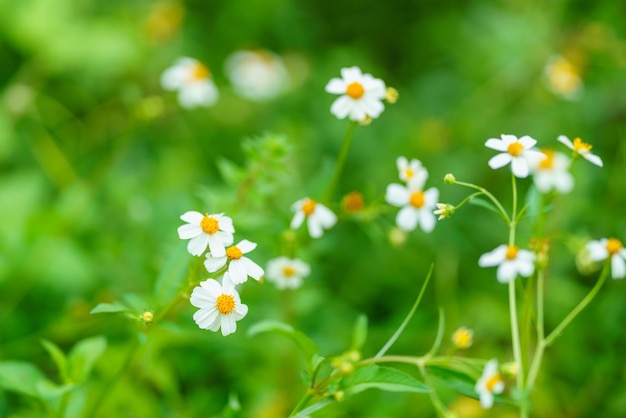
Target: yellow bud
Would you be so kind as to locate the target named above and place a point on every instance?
(147, 317)
(391, 95)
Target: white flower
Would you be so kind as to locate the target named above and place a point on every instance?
(239, 267)
(287, 273)
(361, 95)
(220, 305)
(518, 152)
(552, 173)
(417, 205)
(318, 217)
(580, 148)
(215, 231)
(444, 210)
(411, 172)
(563, 78)
(510, 260)
(609, 248)
(193, 82)
(256, 75)
(490, 383)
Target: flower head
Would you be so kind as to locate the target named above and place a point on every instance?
(415, 203)
(516, 151)
(411, 172)
(444, 210)
(214, 231)
(239, 266)
(220, 305)
(510, 260)
(287, 273)
(318, 217)
(552, 173)
(256, 75)
(611, 248)
(361, 95)
(581, 149)
(490, 383)
(192, 80)
(463, 338)
(563, 78)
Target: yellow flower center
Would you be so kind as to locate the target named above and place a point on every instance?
(548, 162)
(515, 149)
(511, 252)
(209, 224)
(462, 338)
(289, 271)
(408, 173)
(199, 72)
(353, 202)
(225, 304)
(308, 207)
(417, 199)
(613, 246)
(233, 253)
(563, 76)
(581, 147)
(493, 381)
(355, 90)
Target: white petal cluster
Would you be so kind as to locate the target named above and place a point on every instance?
(318, 217)
(215, 231)
(192, 80)
(580, 148)
(517, 152)
(361, 95)
(609, 248)
(287, 273)
(490, 383)
(256, 75)
(552, 173)
(239, 266)
(510, 261)
(220, 305)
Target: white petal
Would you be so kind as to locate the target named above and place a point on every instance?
(216, 245)
(527, 142)
(565, 141)
(197, 245)
(351, 74)
(336, 86)
(237, 272)
(372, 106)
(402, 163)
(297, 220)
(564, 182)
(225, 223)
(499, 160)
(192, 217)
(520, 168)
(486, 399)
(342, 106)
(240, 311)
(198, 94)
(496, 144)
(228, 325)
(188, 231)
(357, 112)
(397, 195)
(246, 246)
(592, 158)
(315, 228)
(618, 267)
(506, 272)
(493, 257)
(213, 264)
(201, 298)
(597, 250)
(431, 197)
(206, 318)
(253, 269)
(226, 237)
(525, 267)
(324, 216)
(174, 77)
(427, 220)
(407, 218)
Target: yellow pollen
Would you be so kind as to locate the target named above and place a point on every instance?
(613, 246)
(493, 381)
(548, 162)
(308, 207)
(417, 199)
(225, 304)
(199, 72)
(511, 252)
(209, 224)
(581, 147)
(233, 253)
(515, 149)
(355, 90)
(289, 271)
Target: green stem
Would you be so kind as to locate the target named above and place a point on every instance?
(341, 159)
(303, 402)
(441, 409)
(489, 195)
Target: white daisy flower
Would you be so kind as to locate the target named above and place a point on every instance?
(552, 173)
(220, 305)
(518, 152)
(415, 203)
(318, 217)
(239, 266)
(193, 82)
(287, 273)
(256, 75)
(580, 148)
(411, 171)
(490, 383)
(510, 260)
(611, 248)
(215, 231)
(361, 95)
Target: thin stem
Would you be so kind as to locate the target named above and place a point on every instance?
(489, 195)
(513, 221)
(303, 402)
(437, 403)
(515, 339)
(341, 159)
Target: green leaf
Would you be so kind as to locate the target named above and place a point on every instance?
(461, 382)
(114, 307)
(308, 346)
(384, 378)
(58, 357)
(313, 408)
(359, 332)
(83, 357)
(169, 282)
(20, 377)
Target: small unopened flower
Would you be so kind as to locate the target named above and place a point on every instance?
(463, 338)
(444, 210)
(610, 248)
(220, 305)
(490, 383)
(411, 171)
(510, 260)
(581, 149)
(287, 273)
(516, 151)
(552, 173)
(361, 95)
(239, 266)
(215, 231)
(415, 203)
(256, 75)
(352, 202)
(147, 317)
(391, 95)
(192, 80)
(563, 78)
(449, 178)
(318, 217)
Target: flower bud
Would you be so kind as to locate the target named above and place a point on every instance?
(449, 178)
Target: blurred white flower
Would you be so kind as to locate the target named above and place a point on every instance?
(287, 273)
(256, 75)
(411, 171)
(510, 260)
(490, 383)
(552, 173)
(318, 217)
(580, 148)
(415, 203)
(220, 305)
(563, 78)
(192, 80)
(361, 95)
(518, 152)
(612, 248)
(239, 266)
(215, 231)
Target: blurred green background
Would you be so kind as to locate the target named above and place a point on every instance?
(97, 163)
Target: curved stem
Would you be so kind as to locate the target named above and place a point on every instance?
(489, 195)
(341, 159)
